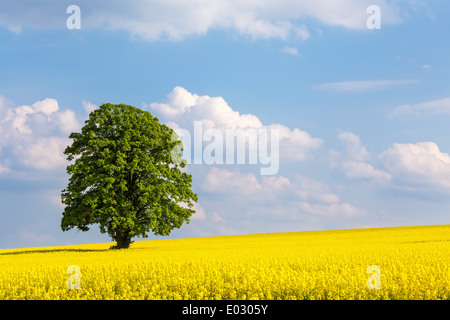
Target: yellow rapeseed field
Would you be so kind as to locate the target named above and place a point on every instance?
(410, 263)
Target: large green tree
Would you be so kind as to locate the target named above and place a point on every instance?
(125, 176)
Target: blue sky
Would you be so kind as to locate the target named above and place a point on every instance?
(364, 113)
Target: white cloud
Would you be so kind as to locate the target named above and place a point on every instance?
(182, 108)
(18, 117)
(227, 182)
(88, 106)
(199, 214)
(42, 116)
(291, 51)
(46, 106)
(43, 153)
(313, 191)
(35, 136)
(355, 150)
(276, 195)
(3, 102)
(303, 32)
(418, 164)
(362, 170)
(67, 121)
(217, 218)
(434, 107)
(355, 162)
(205, 224)
(176, 20)
(356, 86)
(15, 29)
(3, 169)
(334, 210)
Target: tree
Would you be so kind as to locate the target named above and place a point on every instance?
(126, 176)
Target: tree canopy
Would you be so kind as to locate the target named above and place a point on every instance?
(125, 176)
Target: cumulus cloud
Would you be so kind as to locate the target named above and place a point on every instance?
(410, 166)
(277, 196)
(176, 20)
(47, 106)
(247, 194)
(43, 153)
(419, 164)
(313, 191)
(183, 108)
(227, 182)
(362, 170)
(354, 163)
(35, 136)
(355, 150)
(18, 117)
(67, 121)
(88, 106)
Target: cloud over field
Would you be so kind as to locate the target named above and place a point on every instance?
(354, 162)
(420, 165)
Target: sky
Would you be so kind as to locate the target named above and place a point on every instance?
(359, 98)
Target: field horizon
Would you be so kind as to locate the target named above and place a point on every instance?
(387, 263)
(227, 236)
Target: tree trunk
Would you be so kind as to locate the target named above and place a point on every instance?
(123, 240)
